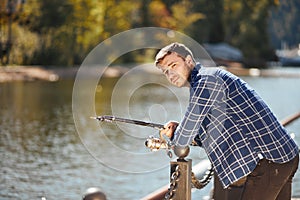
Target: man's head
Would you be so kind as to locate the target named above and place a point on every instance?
(176, 61)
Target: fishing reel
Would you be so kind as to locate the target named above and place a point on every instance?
(155, 144)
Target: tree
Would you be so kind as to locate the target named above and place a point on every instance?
(242, 24)
(178, 16)
(284, 25)
(253, 37)
(63, 32)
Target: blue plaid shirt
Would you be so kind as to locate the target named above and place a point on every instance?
(233, 124)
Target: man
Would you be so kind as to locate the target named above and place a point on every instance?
(247, 146)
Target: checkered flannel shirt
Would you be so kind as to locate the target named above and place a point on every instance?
(233, 124)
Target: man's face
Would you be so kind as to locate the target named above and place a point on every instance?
(176, 69)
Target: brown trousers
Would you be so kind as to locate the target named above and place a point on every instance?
(268, 181)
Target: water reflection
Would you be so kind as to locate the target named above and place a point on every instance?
(37, 134)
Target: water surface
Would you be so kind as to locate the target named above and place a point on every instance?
(42, 154)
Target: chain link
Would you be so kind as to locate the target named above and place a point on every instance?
(173, 184)
(203, 182)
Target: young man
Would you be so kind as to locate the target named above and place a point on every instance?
(247, 146)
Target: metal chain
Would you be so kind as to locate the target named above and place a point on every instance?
(173, 184)
(195, 182)
(203, 182)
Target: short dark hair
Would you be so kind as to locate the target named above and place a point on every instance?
(175, 47)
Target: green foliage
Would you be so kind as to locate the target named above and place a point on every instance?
(26, 43)
(284, 24)
(62, 32)
(251, 30)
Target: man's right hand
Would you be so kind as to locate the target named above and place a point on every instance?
(169, 129)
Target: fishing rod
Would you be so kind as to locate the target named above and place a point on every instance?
(109, 118)
(153, 143)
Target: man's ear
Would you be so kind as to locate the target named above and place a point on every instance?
(189, 60)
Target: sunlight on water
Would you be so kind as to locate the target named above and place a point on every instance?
(43, 156)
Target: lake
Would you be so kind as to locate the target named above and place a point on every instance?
(43, 153)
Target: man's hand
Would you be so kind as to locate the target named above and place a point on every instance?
(169, 129)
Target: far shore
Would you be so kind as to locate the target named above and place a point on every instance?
(32, 73)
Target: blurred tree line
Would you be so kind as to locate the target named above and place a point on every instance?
(63, 32)
(284, 24)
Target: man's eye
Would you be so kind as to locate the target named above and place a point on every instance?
(173, 65)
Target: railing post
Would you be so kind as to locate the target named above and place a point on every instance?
(181, 175)
(183, 182)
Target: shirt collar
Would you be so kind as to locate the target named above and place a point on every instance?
(193, 76)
